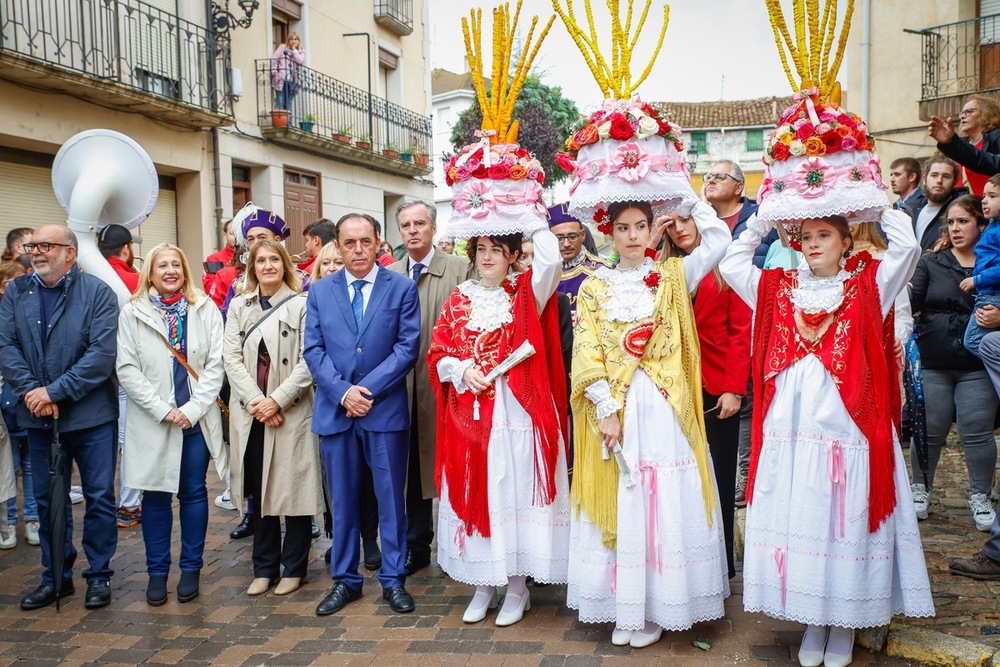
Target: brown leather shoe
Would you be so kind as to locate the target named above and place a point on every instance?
(260, 585)
(288, 585)
(979, 566)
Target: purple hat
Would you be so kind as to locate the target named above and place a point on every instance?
(251, 216)
(559, 214)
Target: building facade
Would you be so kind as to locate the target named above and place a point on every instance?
(194, 89)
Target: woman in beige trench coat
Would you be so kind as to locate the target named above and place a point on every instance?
(275, 456)
(172, 421)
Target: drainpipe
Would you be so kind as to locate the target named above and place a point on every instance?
(220, 241)
(866, 38)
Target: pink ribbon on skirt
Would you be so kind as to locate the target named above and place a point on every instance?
(649, 483)
(838, 475)
(779, 560)
(460, 540)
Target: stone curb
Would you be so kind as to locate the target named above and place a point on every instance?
(927, 647)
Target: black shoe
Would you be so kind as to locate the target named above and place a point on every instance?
(187, 587)
(98, 594)
(328, 555)
(315, 529)
(415, 561)
(245, 529)
(399, 600)
(373, 555)
(45, 595)
(336, 599)
(156, 590)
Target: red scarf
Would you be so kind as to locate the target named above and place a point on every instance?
(462, 440)
(864, 369)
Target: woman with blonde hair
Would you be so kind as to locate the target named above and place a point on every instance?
(285, 63)
(979, 152)
(170, 365)
(275, 455)
(328, 261)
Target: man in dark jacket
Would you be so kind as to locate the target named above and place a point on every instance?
(58, 331)
(940, 177)
(723, 189)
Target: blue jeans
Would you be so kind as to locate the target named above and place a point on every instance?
(158, 513)
(93, 449)
(22, 460)
(283, 99)
(973, 332)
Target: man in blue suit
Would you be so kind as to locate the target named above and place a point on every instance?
(361, 341)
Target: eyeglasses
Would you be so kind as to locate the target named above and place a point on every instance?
(569, 237)
(968, 112)
(44, 247)
(445, 243)
(709, 177)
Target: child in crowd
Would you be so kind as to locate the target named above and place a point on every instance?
(985, 278)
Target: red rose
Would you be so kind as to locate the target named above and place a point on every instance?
(780, 152)
(652, 280)
(831, 140)
(507, 285)
(499, 172)
(805, 131)
(621, 130)
(844, 119)
(541, 177)
(566, 162)
(603, 221)
(664, 126)
(480, 172)
(857, 262)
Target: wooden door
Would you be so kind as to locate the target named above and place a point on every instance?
(303, 204)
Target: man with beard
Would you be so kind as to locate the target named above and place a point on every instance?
(940, 176)
(577, 262)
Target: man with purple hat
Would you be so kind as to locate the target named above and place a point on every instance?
(255, 225)
(577, 263)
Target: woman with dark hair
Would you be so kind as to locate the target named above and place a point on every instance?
(275, 456)
(501, 466)
(723, 323)
(979, 151)
(956, 385)
(647, 539)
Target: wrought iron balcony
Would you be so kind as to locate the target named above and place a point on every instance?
(959, 59)
(118, 53)
(335, 119)
(396, 15)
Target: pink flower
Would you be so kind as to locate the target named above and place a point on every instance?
(533, 174)
(475, 200)
(631, 162)
(462, 173)
(809, 177)
(848, 144)
(509, 160)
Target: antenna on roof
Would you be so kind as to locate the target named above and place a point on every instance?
(722, 87)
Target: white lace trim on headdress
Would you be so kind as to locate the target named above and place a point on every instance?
(491, 306)
(666, 191)
(629, 298)
(815, 295)
(498, 223)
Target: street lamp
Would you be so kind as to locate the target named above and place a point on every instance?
(224, 20)
(692, 159)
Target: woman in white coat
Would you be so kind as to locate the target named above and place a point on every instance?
(170, 365)
(275, 454)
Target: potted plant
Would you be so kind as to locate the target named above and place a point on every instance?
(391, 150)
(421, 157)
(407, 155)
(343, 135)
(308, 122)
(279, 117)
(364, 142)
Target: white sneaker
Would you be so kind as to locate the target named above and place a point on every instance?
(982, 511)
(921, 500)
(8, 537)
(31, 533)
(225, 502)
(76, 494)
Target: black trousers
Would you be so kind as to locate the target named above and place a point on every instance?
(270, 555)
(419, 511)
(723, 442)
(367, 504)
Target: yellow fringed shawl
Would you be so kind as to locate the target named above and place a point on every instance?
(672, 360)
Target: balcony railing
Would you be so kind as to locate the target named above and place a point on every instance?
(960, 58)
(339, 119)
(396, 15)
(122, 42)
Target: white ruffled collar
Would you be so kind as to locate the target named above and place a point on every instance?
(629, 298)
(816, 294)
(491, 306)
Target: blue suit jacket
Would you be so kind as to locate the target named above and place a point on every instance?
(378, 357)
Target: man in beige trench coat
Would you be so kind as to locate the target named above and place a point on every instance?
(437, 275)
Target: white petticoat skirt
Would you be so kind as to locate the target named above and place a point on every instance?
(525, 539)
(808, 555)
(670, 565)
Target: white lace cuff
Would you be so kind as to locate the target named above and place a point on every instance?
(759, 227)
(453, 370)
(599, 393)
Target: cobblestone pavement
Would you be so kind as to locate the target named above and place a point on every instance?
(226, 627)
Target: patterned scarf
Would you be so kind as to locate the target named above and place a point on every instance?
(174, 309)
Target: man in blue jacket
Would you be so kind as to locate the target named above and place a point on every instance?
(361, 341)
(58, 332)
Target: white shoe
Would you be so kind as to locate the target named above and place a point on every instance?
(621, 637)
(982, 511)
(31, 533)
(477, 609)
(76, 494)
(642, 639)
(511, 616)
(921, 500)
(813, 646)
(8, 537)
(831, 659)
(225, 502)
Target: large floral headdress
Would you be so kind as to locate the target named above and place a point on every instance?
(496, 184)
(626, 150)
(819, 159)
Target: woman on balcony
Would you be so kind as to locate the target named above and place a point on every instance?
(979, 152)
(285, 71)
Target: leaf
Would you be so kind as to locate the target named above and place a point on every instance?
(703, 644)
